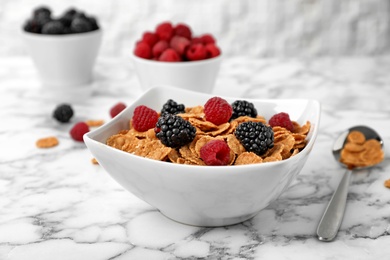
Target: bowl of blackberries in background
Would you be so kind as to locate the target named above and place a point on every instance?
(64, 48)
(173, 55)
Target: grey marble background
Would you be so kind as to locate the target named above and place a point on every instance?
(256, 28)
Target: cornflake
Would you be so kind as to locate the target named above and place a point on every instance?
(146, 144)
(359, 152)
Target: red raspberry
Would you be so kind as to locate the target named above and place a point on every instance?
(281, 119)
(117, 109)
(150, 38)
(179, 44)
(196, 40)
(78, 130)
(207, 38)
(212, 50)
(196, 52)
(169, 55)
(183, 30)
(217, 110)
(165, 31)
(144, 118)
(143, 50)
(159, 48)
(216, 153)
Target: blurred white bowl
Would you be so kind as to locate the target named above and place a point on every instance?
(64, 60)
(192, 75)
(203, 195)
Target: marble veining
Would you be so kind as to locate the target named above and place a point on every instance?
(55, 204)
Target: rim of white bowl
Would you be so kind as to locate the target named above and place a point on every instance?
(178, 63)
(68, 36)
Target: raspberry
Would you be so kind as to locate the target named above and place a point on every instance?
(207, 38)
(212, 50)
(150, 38)
(78, 131)
(117, 109)
(196, 52)
(196, 40)
(143, 50)
(144, 118)
(255, 137)
(164, 31)
(217, 110)
(169, 55)
(216, 153)
(179, 44)
(159, 48)
(183, 30)
(281, 119)
(171, 107)
(173, 131)
(63, 113)
(243, 108)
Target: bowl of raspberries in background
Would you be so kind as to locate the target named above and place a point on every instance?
(63, 48)
(172, 55)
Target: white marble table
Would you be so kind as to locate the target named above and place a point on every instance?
(55, 204)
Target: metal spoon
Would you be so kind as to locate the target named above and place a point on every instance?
(331, 220)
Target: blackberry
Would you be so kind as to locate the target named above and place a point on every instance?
(53, 27)
(174, 131)
(255, 137)
(171, 107)
(80, 24)
(63, 113)
(243, 108)
(41, 11)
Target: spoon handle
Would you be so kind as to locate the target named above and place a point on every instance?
(331, 220)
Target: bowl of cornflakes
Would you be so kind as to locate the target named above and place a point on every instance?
(206, 160)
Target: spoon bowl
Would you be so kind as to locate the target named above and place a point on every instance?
(334, 212)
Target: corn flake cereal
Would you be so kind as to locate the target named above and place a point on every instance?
(359, 152)
(47, 142)
(146, 144)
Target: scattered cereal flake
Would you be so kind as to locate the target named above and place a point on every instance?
(94, 123)
(387, 183)
(94, 161)
(47, 142)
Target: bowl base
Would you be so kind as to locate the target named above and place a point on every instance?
(210, 222)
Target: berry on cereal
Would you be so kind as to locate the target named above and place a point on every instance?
(215, 153)
(115, 110)
(173, 131)
(243, 108)
(144, 118)
(217, 110)
(172, 107)
(78, 130)
(255, 137)
(281, 119)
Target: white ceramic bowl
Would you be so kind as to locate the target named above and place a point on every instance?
(202, 195)
(64, 60)
(192, 75)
